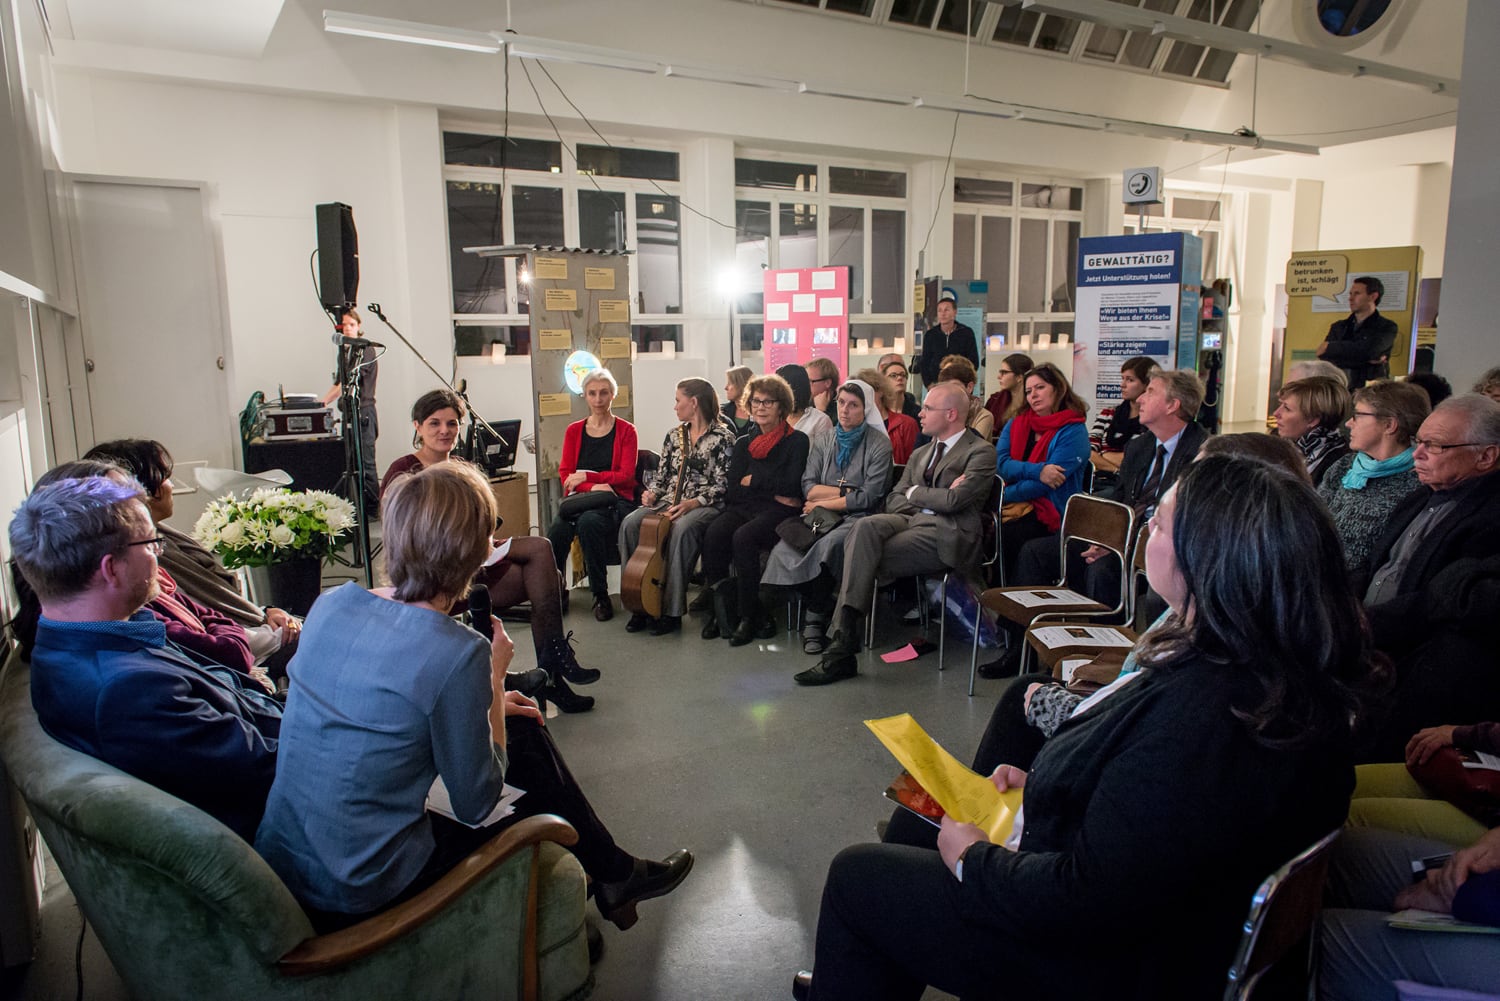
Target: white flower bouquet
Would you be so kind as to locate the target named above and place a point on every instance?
(275, 525)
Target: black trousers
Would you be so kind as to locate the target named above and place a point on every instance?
(740, 537)
(536, 766)
(597, 532)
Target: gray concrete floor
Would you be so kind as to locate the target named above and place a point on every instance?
(696, 744)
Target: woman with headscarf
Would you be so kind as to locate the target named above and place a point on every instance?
(848, 472)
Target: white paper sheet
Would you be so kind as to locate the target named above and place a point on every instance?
(439, 802)
(778, 312)
(1089, 636)
(804, 302)
(831, 307)
(788, 281)
(1050, 596)
(824, 280)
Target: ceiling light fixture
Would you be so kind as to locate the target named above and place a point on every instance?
(393, 30)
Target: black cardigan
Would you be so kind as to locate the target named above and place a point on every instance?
(1149, 822)
(778, 474)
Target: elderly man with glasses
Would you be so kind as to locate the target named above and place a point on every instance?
(1430, 594)
(105, 679)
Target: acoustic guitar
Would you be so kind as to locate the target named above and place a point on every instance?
(645, 573)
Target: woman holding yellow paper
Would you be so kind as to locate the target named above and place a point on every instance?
(1149, 820)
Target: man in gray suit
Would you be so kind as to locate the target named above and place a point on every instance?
(931, 524)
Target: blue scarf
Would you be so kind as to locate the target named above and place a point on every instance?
(848, 442)
(1366, 469)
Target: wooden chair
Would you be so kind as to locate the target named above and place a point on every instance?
(1283, 914)
(1052, 657)
(1093, 520)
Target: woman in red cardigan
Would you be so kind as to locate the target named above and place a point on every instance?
(598, 454)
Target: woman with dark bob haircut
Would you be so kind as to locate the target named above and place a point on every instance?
(388, 693)
(1151, 817)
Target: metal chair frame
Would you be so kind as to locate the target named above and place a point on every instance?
(1134, 578)
(1283, 912)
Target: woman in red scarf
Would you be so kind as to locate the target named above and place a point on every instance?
(1041, 456)
(765, 489)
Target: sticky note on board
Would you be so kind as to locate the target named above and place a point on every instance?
(564, 299)
(555, 340)
(804, 302)
(599, 278)
(778, 312)
(832, 306)
(614, 310)
(614, 347)
(550, 267)
(824, 280)
(554, 404)
(788, 281)
(622, 398)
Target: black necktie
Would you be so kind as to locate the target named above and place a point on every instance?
(937, 457)
(1153, 481)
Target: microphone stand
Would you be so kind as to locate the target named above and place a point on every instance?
(353, 479)
(475, 421)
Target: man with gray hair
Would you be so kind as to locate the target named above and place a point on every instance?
(106, 681)
(1430, 571)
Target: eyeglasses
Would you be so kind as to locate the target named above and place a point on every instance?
(153, 546)
(1366, 413)
(1438, 449)
(824, 379)
(757, 403)
(1006, 371)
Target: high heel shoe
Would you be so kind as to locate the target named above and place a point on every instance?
(567, 700)
(558, 659)
(617, 901)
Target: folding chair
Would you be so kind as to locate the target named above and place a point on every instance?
(1051, 657)
(1283, 913)
(1093, 520)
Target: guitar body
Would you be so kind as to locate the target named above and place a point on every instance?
(645, 572)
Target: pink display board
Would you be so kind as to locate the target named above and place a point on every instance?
(807, 317)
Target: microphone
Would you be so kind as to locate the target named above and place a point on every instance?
(354, 342)
(479, 612)
(462, 387)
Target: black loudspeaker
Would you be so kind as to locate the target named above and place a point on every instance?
(338, 257)
(313, 465)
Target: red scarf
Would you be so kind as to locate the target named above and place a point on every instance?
(1021, 427)
(761, 444)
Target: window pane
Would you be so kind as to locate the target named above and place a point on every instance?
(474, 341)
(1216, 65)
(752, 244)
(888, 260)
(960, 17)
(846, 242)
(1104, 43)
(802, 3)
(774, 174)
(797, 237)
(1031, 290)
(1015, 26)
(601, 220)
(993, 331)
(1140, 49)
(862, 7)
(858, 181)
(751, 335)
(1056, 34)
(979, 191)
(651, 337)
(1241, 15)
(538, 214)
(612, 161)
(963, 246)
(658, 254)
(1064, 265)
(1196, 208)
(994, 260)
(1182, 60)
(1051, 196)
(918, 12)
(470, 149)
(475, 219)
(882, 336)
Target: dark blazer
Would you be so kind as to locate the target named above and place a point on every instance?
(1472, 531)
(936, 346)
(1356, 348)
(1141, 453)
(956, 510)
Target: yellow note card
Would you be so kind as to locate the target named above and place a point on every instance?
(599, 278)
(614, 347)
(565, 299)
(551, 267)
(919, 298)
(622, 398)
(965, 796)
(614, 310)
(555, 340)
(554, 404)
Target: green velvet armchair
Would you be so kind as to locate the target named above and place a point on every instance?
(186, 909)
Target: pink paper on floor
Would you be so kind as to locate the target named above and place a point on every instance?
(900, 654)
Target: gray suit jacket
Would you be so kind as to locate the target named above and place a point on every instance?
(955, 509)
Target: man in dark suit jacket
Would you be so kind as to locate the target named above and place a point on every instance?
(931, 524)
(1361, 343)
(106, 682)
(1438, 547)
(949, 337)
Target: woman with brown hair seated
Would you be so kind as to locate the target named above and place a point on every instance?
(525, 570)
(765, 489)
(389, 693)
(899, 428)
(1309, 412)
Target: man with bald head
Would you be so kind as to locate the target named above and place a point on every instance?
(931, 524)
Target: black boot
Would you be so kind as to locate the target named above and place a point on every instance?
(726, 609)
(567, 700)
(767, 627)
(558, 660)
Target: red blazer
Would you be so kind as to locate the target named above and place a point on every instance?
(903, 432)
(620, 477)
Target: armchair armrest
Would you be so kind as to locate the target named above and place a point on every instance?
(337, 949)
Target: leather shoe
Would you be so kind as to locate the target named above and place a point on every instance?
(802, 985)
(617, 901)
(604, 610)
(833, 667)
(1007, 665)
(711, 628)
(528, 683)
(704, 602)
(638, 621)
(743, 633)
(667, 624)
(567, 700)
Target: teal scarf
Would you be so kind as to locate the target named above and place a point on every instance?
(848, 442)
(1366, 469)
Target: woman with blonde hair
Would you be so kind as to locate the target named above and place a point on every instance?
(1309, 413)
(735, 381)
